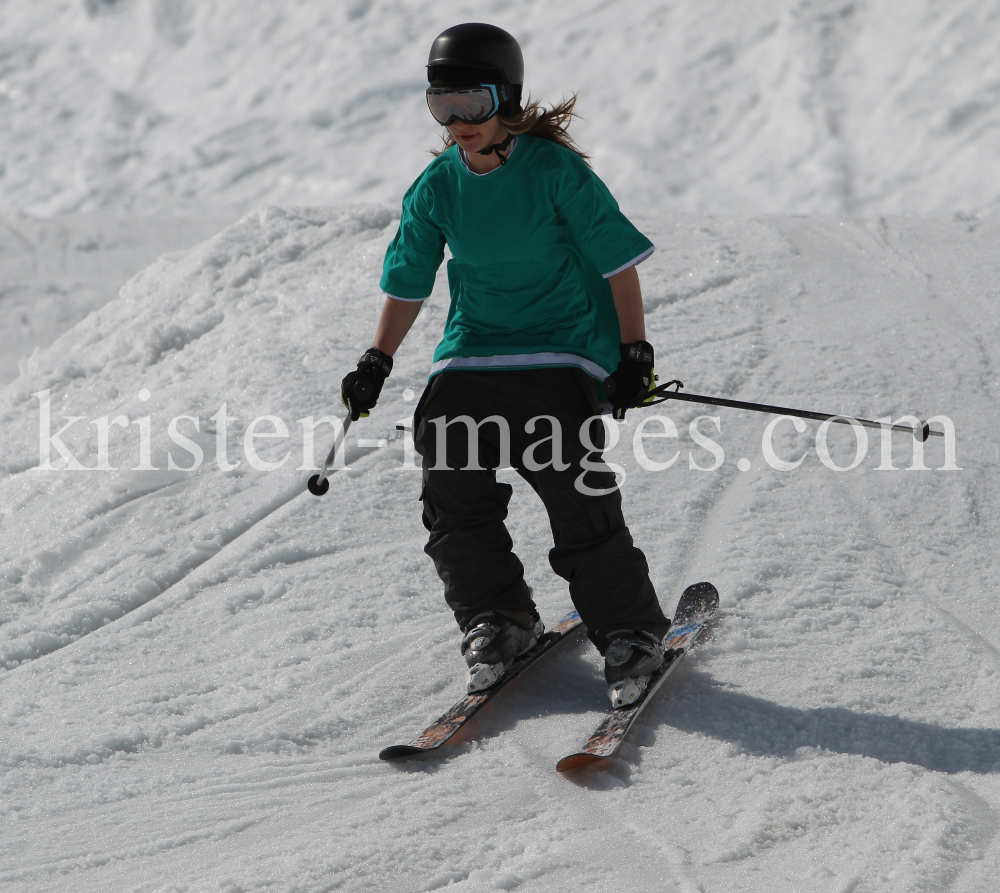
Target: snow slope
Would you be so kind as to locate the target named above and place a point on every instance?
(54, 271)
(200, 666)
(700, 105)
(141, 113)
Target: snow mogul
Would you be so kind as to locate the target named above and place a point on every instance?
(545, 324)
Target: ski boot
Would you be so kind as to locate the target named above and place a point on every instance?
(491, 643)
(630, 658)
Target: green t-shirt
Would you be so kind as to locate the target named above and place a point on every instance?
(531, 245)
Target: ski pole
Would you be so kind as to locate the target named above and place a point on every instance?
(921, 431)
(319, 483)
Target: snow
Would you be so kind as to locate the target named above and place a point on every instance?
(193, 114)
(55, 270)
(819, 106)
(199, 661)
(202, 665)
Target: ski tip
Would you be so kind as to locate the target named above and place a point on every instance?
(577, 761)
(400, 752)
(698, 598)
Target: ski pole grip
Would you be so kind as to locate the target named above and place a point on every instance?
(362, 389)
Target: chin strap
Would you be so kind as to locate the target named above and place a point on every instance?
(498, 148)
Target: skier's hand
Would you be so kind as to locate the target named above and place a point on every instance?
(360, 389)
(630, 384)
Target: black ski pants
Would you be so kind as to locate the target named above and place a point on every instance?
(464, 509)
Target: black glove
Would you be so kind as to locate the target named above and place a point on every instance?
(629, 384)
(359, 390)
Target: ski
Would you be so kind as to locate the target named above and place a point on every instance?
(696, 607)
(436, 734)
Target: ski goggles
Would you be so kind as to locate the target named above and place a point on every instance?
(471, 105)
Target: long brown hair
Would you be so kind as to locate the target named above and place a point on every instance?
(550, 124)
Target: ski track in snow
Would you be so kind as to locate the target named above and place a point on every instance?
(201, 666)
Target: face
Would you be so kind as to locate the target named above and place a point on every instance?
(475, 137)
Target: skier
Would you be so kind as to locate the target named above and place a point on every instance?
(545, 308)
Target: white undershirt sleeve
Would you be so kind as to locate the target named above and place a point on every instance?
(632, 263)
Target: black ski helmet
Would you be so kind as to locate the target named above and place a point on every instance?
(476, 53)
